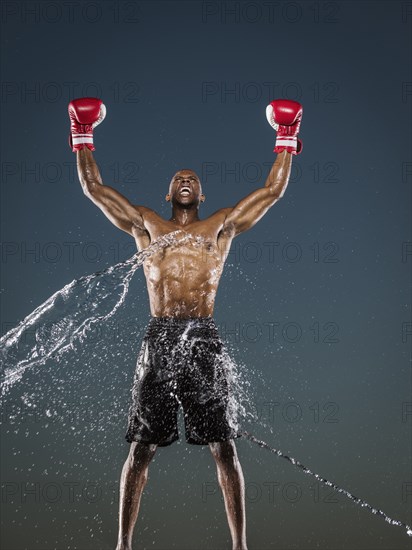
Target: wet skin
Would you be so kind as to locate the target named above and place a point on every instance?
(182, 279)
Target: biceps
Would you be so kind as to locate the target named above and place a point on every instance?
(116, 208)
(246, 214)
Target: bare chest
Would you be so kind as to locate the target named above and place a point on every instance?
(190, 260)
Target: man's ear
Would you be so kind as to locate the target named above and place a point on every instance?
(167, 197)
(202, 197)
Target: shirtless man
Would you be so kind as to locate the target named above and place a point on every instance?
(182, 282)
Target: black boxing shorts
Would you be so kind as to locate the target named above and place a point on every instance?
(182, 362)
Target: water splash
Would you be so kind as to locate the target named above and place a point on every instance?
(86, 302)
(79, 304)
(328, 483)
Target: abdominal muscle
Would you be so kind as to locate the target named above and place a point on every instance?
(182, 281)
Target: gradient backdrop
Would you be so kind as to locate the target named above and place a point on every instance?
(316, 297)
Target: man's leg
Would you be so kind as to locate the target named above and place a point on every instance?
(133, 480)
(230, 476)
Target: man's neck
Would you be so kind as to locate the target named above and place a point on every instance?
(184, 216)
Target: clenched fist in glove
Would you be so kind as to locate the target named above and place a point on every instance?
(85, 114)
(284, 115)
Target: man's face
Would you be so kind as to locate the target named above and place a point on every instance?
(185, 189)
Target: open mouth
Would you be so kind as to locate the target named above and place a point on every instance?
(185, 191)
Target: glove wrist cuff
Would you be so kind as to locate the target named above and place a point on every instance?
(287, 141)
(78, 142)
(292, 145)
(79, 139)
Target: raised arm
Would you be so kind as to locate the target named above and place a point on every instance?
(113, 204)
(249, 210)
(85, 114)
(285, 117)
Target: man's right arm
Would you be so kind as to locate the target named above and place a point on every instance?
(85, 114)
(113, 204)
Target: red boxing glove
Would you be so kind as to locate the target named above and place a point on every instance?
(85, 114)
(284, 115)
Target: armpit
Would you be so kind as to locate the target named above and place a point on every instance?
(228, 226)
(227, 231)
(145, 214)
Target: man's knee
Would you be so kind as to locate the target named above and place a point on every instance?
(141, 453)
(224, 451)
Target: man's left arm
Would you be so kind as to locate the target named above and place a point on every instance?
(284, 116)
(250, 209)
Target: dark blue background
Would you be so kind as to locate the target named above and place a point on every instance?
(186, 85)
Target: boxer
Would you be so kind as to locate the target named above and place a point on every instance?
(181, 357)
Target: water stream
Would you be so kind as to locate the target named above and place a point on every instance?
(56, 330)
